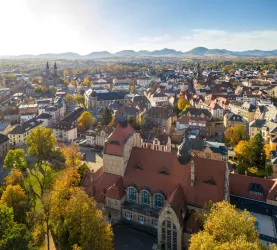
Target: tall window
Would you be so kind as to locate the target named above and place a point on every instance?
(158, 201)
(132, 194)
(169, 235)
(145, 198)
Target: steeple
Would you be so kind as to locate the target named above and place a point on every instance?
(47, 69)
(55, 69)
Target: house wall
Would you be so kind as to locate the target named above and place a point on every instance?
(4, 148)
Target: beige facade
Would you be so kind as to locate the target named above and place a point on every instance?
(209, 154)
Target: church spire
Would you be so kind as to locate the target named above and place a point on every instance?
(55, 66)
(47, 65)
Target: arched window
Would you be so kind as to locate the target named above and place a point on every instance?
(169, 235)
(132, 194)
(145, 198)
(158, 200)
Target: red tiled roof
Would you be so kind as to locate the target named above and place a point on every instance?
(153, 161)
(114, 145)
(101, 184)
(239, 186)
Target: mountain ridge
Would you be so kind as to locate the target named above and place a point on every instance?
(198, 51)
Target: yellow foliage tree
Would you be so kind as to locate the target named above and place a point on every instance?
(15, 177)
(182, 103)
(15, 197)
(227, 228)
(234, 134)
(243, 150)
(72, 155)
(85, 121)
(268, 148)
(74, 217)
(69, 98)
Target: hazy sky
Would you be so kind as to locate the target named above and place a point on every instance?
(83, 26)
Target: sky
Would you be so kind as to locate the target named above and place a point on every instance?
(84, 26)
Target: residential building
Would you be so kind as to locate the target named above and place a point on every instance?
(246, 109)
(4, 145)
(18, 134)
(231, 120)
(28, 109)
(208, 149)
(162, 117)
(267, 112)
(66, 129)
(98, 136)
(155, 141)
(264, 127)
(143, 81)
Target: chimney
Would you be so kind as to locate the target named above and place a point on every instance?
(192, 173)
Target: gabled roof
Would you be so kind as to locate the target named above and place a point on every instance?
(153, 161)
(114, 145)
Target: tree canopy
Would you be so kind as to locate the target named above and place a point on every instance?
(234, 134)
(13, 236)
(227, 228)
(85, 121)
(69, 98)
(72, 155)
(182, 104)
(41, 143)
(106, 116)
(15, 159)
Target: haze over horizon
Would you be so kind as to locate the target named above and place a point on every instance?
(83, 26)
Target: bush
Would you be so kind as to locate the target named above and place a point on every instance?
(252, 171)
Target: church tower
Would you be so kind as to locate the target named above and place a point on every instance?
(55, 69)
(47, 69)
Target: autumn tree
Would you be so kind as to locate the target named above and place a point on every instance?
(113, 123)
(15, 159)
(132, 88)
(182, 103)
(75, 218)
(268, 148)
(13, 236)
(85, 121)
(72, 155)
(106, 116)
(80, 99)
(35, 80)
(233, 135)
(41, 143)
(243, 151)
(15, 198)
(227, 228)
(87, 82)
(15, 177)
(69, 98)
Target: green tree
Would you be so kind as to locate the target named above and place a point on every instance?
(106, 116)
(15, 159)
(258, 155)
(82, 170)
(41, 144)
(13, 236)
(53, 90)
(234, 135)
(227, 228)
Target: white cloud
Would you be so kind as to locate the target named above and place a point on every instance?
(221, 39)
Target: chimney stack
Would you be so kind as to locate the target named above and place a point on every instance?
(192, 173)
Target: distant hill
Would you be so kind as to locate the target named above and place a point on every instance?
(99, 54)
(198, 51)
